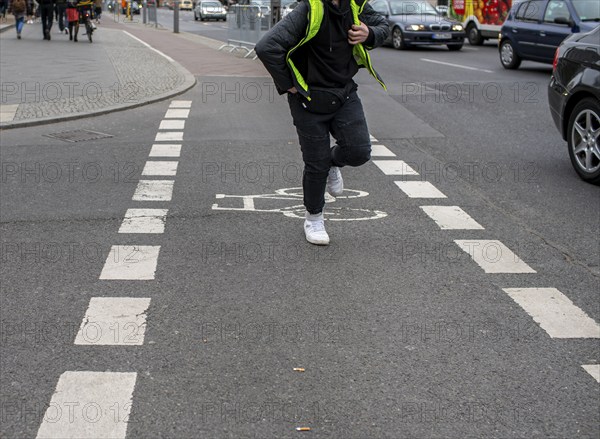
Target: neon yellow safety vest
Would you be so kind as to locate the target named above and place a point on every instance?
(315, 17)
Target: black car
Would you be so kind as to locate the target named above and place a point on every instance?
(533, 29)
(417, 23)
(574, 99)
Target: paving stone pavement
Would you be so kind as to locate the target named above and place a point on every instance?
(45, 81)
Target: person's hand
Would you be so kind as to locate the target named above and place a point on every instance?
(292, 90)
(358, 34)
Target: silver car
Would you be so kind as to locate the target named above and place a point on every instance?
(210, 10)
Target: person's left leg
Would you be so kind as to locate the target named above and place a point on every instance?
(349, 128)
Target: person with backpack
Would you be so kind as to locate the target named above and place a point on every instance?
(19, 9)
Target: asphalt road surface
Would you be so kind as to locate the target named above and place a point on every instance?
(472, 313)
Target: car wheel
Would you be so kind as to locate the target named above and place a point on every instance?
(195, 17)
(201, 17)
(584, 140)
(474, 36)
(398, 39)
(453, 47)
(508, 56)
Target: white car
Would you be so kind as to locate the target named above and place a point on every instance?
(210, 10)
(186, 5)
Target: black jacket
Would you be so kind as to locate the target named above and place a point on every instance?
(285, 35)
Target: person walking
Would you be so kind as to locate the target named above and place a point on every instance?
(73, 19)
(61, 18)
(46, 13)
(312, 55)
(19, 9)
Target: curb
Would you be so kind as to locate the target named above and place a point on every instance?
(6, 27)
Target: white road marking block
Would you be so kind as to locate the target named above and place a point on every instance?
(555, 312)
(373, 139)
(165, 150)
(144, 221)
(180, 104)
(451, 218)
(154, 190)
(593, 370)
(394, 167)
(493, 256)
(89, 405)
(419, 189)
(131, 262)
(172, 124)
(173, 113)
(381, 151)
(165, 168)
(169, 136)
(114, 321)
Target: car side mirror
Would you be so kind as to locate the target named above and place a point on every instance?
(564, 20)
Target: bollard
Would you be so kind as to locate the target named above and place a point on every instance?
(155, 6)
(144, 13)
(176, 17)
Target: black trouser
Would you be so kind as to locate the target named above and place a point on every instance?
(60, 16)
(47, 13)
(348, 126)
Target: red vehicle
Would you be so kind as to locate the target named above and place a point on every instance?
(481, 19)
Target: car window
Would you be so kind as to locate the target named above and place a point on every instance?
(556, 9)
(379, 7)
(530, 11)
(588, 10)
(405, 7)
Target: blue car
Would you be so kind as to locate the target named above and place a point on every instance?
(535, 28)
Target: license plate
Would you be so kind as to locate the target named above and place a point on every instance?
(442, 36)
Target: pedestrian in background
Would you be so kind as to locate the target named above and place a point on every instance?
(73, 19)
(3, 9)
(98, 10)
(61, 10)
(19, 9)
(312, 54)
(46, 13)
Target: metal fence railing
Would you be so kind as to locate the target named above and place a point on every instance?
(246, 24)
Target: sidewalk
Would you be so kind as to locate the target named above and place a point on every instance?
(127, 65)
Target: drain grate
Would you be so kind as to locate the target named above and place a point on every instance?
(78, 135)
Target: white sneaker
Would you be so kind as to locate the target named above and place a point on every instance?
(314, 229)
(335, 183)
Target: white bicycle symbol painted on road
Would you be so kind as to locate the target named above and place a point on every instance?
(272, 202)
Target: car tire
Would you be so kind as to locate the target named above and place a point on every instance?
(584, 149)
(453, 47)
(195, 17)
(201, 17)
(474, 36)
(508, 56)
(398, 39)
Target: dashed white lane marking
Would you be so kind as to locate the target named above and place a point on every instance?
(154, 190)
(160, 168)
(165, 150)
(131, 262)
(89, 405)
(169, 136)
(456, 65)
(144, 221)
(451, 218)
(593, 370)
(394, 167)
(180, 104)
(114, 321)
(381, 151)
(373, 139)
(172, 124)
(177, 114)
(419, 189)
(493, 256)
(8, 112)
(555, 312)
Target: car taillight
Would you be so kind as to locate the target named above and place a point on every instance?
(555, 62)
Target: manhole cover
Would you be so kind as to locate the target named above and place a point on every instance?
(78, 135)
